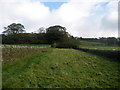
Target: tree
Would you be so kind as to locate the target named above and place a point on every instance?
(41, 30)
(111, 41)
(14, 29)
(55, 34)
(119, 42)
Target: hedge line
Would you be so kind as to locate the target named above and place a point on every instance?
(114, 54)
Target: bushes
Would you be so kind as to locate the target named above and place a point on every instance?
(71, 43)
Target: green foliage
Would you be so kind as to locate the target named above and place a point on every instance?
(51, 35)
(14, 28)
(24, 38)
(106, 41)
(62, 68)
(111, 41)
(55, 34)
(119, 42)
(97, 46)
(70, 43)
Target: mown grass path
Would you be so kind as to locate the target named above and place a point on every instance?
(66, 68)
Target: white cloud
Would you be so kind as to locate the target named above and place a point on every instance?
(86, 18)
(110, 19)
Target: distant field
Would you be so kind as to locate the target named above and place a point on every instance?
(89, 43)
(97, 45)
(101, 47)
(66, 68)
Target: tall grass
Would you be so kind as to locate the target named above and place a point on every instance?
(12, 53)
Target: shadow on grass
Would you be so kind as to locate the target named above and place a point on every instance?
(112, 54)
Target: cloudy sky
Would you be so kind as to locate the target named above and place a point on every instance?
(82, 18)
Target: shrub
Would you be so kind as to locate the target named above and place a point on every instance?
(53, 45)
(71, 43)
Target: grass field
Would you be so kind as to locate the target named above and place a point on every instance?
(97, 45)
(101, 47)
(65, 68)
(89, 43)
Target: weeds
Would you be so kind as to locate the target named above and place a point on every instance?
(12, 53)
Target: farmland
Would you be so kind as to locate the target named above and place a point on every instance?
(64, 45)
(60, 68)
(97, 46)
(101, 47)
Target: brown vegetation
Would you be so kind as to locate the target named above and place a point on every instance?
(12, 53)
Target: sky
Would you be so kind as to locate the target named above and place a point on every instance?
(53, 5)
(82, 18)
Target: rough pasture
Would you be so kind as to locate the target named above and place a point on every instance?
(12, 53)
(62, 68)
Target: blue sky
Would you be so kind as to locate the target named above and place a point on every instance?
(56, 5)
(53, 5)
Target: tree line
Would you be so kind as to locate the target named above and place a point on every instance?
(106, 41)
(54, 35)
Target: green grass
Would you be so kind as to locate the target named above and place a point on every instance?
(54, 68)
(89, 43)
(101, 47)
(97, 45)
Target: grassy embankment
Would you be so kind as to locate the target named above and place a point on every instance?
(62, 68)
